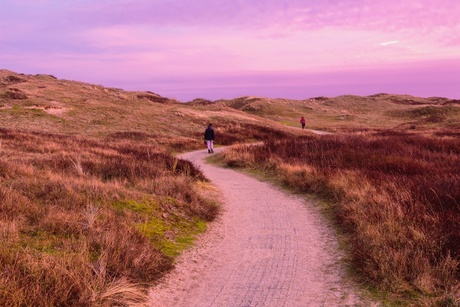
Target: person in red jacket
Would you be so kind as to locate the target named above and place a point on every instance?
(302, 122)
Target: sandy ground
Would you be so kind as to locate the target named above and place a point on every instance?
(268, 248)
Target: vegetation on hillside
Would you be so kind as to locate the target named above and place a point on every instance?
(91, 222)
(346, 113)
(396, 196)
(94, 207)
(44, 103)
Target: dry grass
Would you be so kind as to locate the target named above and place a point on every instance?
(353, 113)
(93, 206)
(396, 196)
(58, 106)
(88, 222)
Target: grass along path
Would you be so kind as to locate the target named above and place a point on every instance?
(268, 248)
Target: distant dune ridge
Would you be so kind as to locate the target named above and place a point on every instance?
(97, 110)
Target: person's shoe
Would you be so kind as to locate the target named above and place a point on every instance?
(212, 150)
(209, 151)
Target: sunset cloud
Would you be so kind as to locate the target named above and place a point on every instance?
(126, 43)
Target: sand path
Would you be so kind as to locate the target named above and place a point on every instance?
(268, 248)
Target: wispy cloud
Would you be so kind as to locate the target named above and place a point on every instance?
(389, 43)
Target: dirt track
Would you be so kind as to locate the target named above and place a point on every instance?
(268, 248)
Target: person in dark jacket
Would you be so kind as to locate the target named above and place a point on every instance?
(209, 138)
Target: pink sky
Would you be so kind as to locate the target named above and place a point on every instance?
(214, 49)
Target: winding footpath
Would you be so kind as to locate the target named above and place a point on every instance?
(268, 248)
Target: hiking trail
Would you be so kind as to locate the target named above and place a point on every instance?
(267, 248)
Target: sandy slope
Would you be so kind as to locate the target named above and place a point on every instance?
(267, 249)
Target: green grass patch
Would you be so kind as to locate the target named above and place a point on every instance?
(171, 233)
(171, 239)
(147, 206)
(42, 241)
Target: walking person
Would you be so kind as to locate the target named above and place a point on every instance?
(209, 138)
(302, 122)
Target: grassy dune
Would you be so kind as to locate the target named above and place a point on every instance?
(94, 207)
(44, 103)
(356, 113)
(396, 196)
(91, 222)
